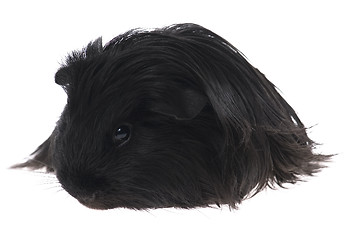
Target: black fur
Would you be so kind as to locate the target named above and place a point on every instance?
(173, 117)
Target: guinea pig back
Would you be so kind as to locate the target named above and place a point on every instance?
(171, 117)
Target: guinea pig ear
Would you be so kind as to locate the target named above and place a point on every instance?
(62, 78)
(181, 105)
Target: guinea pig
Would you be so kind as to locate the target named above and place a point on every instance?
(171, 117)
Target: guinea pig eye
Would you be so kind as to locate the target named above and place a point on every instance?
(121, 135)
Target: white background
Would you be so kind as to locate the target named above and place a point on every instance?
(309, 49)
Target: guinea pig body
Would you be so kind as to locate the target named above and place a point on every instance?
(173, 117)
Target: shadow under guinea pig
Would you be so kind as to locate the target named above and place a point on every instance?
(172, 117)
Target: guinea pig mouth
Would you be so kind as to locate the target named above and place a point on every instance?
(92, 201)
(89, 200)
(94, 204)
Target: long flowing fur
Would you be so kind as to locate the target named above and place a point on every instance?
(207, 127)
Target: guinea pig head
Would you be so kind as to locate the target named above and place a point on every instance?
(134, 134)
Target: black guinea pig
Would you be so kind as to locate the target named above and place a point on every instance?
(171, 117)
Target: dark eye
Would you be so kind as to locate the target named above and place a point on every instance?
(121, 135)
